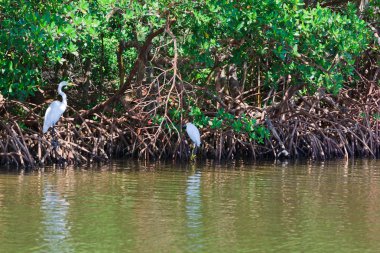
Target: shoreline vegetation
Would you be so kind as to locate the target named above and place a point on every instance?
(276, 79)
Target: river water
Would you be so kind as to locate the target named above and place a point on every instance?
(203, 207)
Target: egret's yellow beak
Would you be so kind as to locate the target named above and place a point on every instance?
(72, 84)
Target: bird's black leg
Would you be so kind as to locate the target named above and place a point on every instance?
(54, 141)
(194, 150)
(55, 144)
(193, 153)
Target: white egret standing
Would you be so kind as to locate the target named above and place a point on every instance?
(195, 136)
(55, 111)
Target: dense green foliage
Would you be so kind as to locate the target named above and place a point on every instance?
(40, 37)
(280, 36)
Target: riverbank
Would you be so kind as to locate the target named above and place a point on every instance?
(268, 79)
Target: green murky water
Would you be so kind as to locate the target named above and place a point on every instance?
(135, 207)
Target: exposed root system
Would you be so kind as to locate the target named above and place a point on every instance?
(318, 127)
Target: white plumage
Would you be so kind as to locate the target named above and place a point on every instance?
(55, 109)
(194, 134)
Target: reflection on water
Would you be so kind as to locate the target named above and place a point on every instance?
(55, 210)
(135, 207)
(194, 212)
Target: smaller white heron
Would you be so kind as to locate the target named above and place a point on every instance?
(55, 111)
(195, 136)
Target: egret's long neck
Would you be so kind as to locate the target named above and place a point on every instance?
(64, 98)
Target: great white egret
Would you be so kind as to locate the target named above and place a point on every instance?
(55, 110)
(193, 133)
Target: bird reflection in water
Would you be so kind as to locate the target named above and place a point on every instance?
(56, 228)
(194, 212)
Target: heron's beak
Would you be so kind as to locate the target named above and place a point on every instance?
(72, 85)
